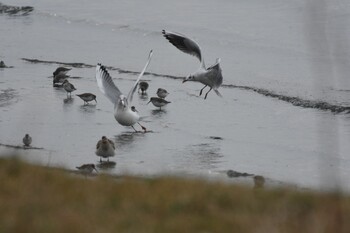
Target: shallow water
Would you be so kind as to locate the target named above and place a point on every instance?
(288, 49)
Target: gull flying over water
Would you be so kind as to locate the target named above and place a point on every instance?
(123, 112)
(210, 76)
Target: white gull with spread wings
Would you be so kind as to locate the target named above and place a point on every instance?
(211, 76)
(124, 112)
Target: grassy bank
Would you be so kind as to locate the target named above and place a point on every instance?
(38, 199)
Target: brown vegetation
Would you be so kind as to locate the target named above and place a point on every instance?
(39, 199)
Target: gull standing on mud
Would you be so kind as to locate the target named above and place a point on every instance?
(105, 148)
(122, 104)
(68, 87)
(211, 76)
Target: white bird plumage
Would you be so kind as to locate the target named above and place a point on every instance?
(122, 105)
(210, 76)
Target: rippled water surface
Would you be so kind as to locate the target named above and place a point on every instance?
(286, 93)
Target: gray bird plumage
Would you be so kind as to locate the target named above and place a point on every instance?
(87, 97)
(158, 102)
(211, 76)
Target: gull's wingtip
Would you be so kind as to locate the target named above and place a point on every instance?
(101, 67)
(165, 33)
(98, 66)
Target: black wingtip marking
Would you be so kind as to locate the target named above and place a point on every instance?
(103, 68)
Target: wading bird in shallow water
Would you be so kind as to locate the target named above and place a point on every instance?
(68, 87)
(105, 148)
(143, 86)
(162, 93)
(61, 70)
(59, 78)
(87, 97)
(158, 102)
(122, 104)
(211, 76)
(27, 140)
(87, 168)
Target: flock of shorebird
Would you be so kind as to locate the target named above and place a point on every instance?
(124, 112)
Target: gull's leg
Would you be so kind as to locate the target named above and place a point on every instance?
(134, 128)
(200, 93)
(144, 128)
(207, 93)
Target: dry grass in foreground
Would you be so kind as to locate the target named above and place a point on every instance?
(38, 199)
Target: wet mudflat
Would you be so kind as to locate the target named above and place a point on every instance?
(270, 121)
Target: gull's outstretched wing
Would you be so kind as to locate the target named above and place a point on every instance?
(184, 44)
(106, 84)
(133, 89)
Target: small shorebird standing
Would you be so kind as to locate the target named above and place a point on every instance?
(143, 86)
(259, 181)
(162, 93)
(68, 87)
(59, 78)
(86, 97)
(105, 148)
(61, 70)
(122, 104)
(87, 168)
(158, 102)
(211, 76)
(2, 64)
(27, 140)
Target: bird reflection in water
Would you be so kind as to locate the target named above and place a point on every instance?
(203, 156)
(106, 165)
